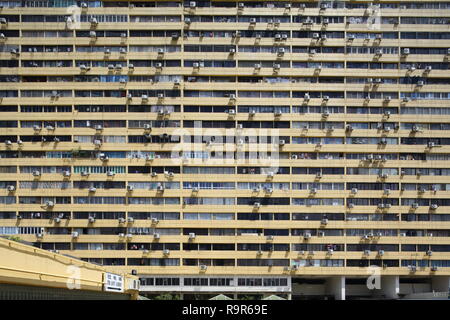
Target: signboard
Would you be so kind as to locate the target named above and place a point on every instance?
(113, 282)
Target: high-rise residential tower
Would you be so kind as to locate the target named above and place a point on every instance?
(259, 147)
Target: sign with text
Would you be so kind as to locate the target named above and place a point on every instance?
(113, 282)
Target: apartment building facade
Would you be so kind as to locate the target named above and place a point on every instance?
(252, 147)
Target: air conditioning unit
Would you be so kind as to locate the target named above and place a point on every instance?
(268, 190)
(231, 111)
(433, 206)
(412, 268)
(351, 37)
(366, 252)
(324, 221)
(306, 96)
(313, 190)
(158, 65)
(381, 206)
(307, 235)
(110, 173)
(415, 205)
(91, 219)
(121, 220)
(319, 175)
(406, 51)
(191, 235)
(388, 205)
(130, 219)
(92, 34)
(282, 142)
(156, 236)
(429, 253)
(348, 128)
(36, 173)
(203, 267)
(49, 204)
(350, 205)
(402, 234)
(192, 4)
(257, 205)
(325, 21)
(316, 35)
(428, 68)
(160, 95)
(276, 66)
(97, 142)
(270, 237)
(380, 252)
(257, 66)
(11, 188)
(379, 52)
(123, 50)
(431, 144)
(8, 142)
(323, 6)
(155, 220)
(92, 189)
(252, 20)
(354, 190)
(387, 191)
(281, 50)
(84, 5)
(144, 97)
(75, 234)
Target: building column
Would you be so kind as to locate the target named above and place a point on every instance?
(336, 287)
(390, 286)
(440, 283)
